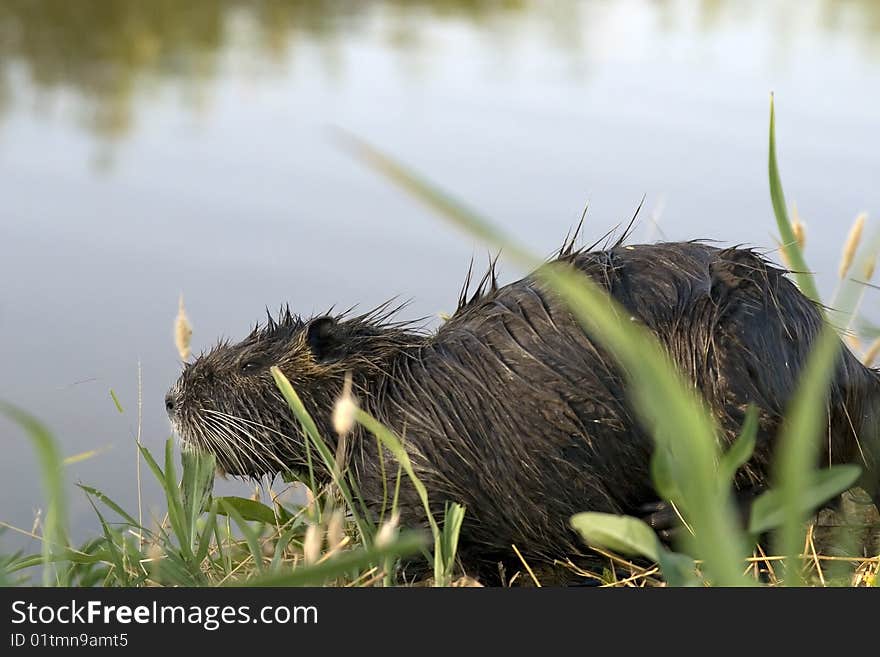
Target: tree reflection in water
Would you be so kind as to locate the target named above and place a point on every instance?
(111, 54)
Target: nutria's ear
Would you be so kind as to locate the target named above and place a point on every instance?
(321, 336)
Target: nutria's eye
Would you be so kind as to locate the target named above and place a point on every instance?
(250, 367)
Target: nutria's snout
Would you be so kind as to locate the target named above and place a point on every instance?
(226, 401)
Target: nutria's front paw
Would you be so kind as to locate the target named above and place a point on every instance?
(667, 522)
(663, 518)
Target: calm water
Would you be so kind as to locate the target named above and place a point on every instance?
(149, 149)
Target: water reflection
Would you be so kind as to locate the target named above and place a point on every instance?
(109, 52)
(112, 56)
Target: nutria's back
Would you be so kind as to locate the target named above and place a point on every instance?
(512, 410)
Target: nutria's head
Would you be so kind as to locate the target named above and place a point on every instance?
(226, 402)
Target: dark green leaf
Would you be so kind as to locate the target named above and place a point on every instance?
(769, 511)
(248, 509)
(622, 534)
(678, 569)
(101, 497)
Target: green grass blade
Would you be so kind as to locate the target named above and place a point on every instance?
(151, 463)
(407, 543)
(112, 549)
(106, 501)
(283, 541)
(790, 245)
(196, 488)
(83, 456)
(442, 565)
(452, 521)
(799, 443)
(116, 401)
(223, 555)
(770, 511)
(741, 450)
(205, 536)
(445, 205)
(52, 471)
(174, 500)
(167, 479)
(171, 570)
(663, 473)
(250, 537)
(329, 459)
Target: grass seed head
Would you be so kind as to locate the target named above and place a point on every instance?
(182, 331)
(853, 341)
(312, 544)
(388, 531)
(852, 244)
(345, 410)
(869, 268)
(335, 529)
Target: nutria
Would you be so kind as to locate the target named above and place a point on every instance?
(512, 410)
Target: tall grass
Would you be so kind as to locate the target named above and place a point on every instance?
(335, 539)
(202, 540)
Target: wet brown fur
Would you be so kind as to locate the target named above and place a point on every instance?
(512, 410)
